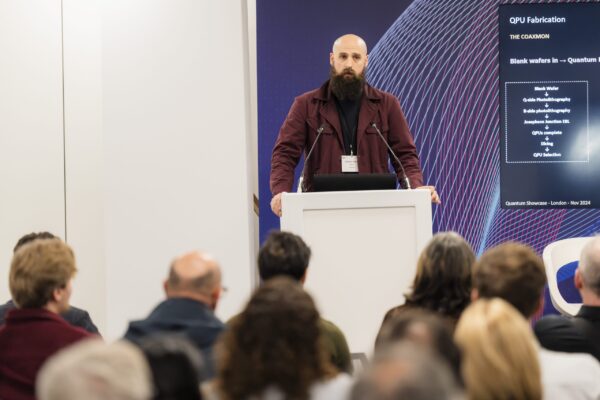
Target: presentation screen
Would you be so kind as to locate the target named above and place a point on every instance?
(549, 61)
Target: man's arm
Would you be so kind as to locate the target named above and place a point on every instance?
(287, 152)
(401, 141)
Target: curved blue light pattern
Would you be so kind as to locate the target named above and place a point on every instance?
(440, 58)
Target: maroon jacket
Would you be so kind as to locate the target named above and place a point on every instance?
(316, 109)
(27, 339)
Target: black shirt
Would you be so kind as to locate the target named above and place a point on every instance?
(348, 111)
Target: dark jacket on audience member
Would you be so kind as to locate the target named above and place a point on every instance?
(580, 334)
(74, 316)
(178, 315)
(336, 345)
(27, 339)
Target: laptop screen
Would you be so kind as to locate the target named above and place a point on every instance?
(350, 182)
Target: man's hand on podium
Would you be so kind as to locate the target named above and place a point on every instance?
(435, 198)
(276, 204)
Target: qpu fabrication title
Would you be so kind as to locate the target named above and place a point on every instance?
(537, 20)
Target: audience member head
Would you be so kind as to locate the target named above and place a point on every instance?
(500, 356)
(283, 253)
(197, 276)
(176, 367)
(425, 329)
(587, 275)
(40, 275)
(405, 372)
(93, 370)
(30, 237)
(275, 342)
(513, 272)
(443, 280)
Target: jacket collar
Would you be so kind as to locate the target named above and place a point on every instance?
(30, 314)
(367, 115)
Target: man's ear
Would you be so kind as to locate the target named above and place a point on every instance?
(578, 280)
(166, 287)
(303, 278)
(331, 58)
(57, 294)
(215, 296)
(540, 307)
(474, 294)
(366, 60)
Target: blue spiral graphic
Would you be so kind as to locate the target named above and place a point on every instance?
(440, 58)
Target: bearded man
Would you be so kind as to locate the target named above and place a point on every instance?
(349, 115)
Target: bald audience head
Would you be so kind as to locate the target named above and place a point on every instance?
(195, 275)
(587, 275)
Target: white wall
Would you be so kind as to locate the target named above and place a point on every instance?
(252, 105)
(31, 124)
(158, 146)
(84, 152)
(176, 147)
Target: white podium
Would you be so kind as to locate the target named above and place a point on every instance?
(365, 247)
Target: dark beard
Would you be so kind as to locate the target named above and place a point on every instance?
(344, 87)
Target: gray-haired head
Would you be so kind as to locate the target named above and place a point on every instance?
(406, 372)
(93, 370)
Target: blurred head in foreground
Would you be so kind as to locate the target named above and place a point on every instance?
(93, 370)
(275, 342)
(500, 356)
(406, 372)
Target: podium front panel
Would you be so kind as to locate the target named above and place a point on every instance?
(365, 247)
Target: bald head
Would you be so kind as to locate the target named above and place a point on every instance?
(349, 41)
(589, 266)
(195, 275)
(349, 53)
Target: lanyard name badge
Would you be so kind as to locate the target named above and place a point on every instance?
(350, 163)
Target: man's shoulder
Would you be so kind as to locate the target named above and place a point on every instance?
(553, 321)
(4, 308)
(49, 324)
(76, 332)
(80, 318)
(554, 327)
(372, 91)
(177, 315)
(589, 313)
(336, 344)
(314, 94)
(330, 327)
(333, 333)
